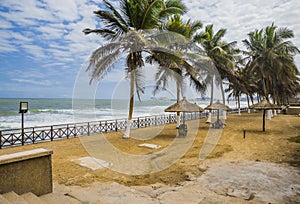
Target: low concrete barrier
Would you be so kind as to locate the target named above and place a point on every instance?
(27, 171)
(293, 110)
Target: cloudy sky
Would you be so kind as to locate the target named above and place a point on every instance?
(43, 49)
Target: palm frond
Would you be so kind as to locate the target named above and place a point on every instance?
(106, 33)
(150, 18)
(101, 66)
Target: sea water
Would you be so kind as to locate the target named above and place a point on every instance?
(45, 112)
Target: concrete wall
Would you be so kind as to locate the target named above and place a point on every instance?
(293, 110)
(28, 171)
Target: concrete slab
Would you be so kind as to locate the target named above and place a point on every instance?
(151, 146)
(92, 163)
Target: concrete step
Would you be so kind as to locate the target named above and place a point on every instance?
(53, 198)
(14, 198)
(32, 198)
(4, 200)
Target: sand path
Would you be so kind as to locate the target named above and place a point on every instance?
(263, 167)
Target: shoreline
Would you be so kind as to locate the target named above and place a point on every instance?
(267, 147)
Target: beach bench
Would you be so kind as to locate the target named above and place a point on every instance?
(182, 130)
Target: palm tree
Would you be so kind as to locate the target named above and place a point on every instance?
(271, 62)
(124, 31)
(178, 71)
(245, 86)
(222, 55)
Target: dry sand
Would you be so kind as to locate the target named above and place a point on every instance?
(189, 175)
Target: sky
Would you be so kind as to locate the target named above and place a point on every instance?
(43, 52)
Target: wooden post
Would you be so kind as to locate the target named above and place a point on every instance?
(88, 129)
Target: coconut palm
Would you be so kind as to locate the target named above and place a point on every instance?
(179, 70)
(123, 29)
(221, 53)
(271, 62)
(222, 56)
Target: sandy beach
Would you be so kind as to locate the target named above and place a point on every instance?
(263, 167)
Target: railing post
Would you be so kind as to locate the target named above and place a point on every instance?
(138, 122)
(88, 129)
(75, 130)
(33, 132)
(51, 133)
(67, 131)
(116, 126)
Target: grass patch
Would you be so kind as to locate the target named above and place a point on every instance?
(295, 139)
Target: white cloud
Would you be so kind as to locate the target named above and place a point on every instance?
(242, 17)
(5, 24)
(34, 82)
(36, 51)
(50, 31)
(65, 10)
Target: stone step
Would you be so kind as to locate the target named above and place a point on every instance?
(4, 200)
(53, 198)
(14, 198)
(32, 198)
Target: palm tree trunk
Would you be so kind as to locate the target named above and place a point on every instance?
(131, 104)
(178, 100)
(212, 91)
(248, 102)
(239, 104)
(223, 98)
(211, 99)
(222, 91)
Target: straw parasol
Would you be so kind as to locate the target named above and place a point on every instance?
(184, 106)
(264, 105)
(218, 106)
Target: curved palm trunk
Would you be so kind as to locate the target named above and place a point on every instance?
(131, 104)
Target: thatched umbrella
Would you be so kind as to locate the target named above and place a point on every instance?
(217, 106)
(184, 106)
(264, 105)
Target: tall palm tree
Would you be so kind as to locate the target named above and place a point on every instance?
(271, 62)
(175, 71)
(221, 53)
(123, 30)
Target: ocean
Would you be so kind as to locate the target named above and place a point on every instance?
(45, 112)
